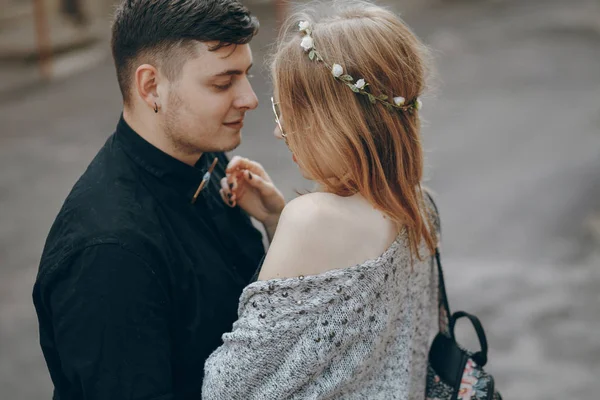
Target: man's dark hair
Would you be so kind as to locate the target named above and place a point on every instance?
(164, 33)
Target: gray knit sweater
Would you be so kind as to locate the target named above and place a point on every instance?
(355, 333)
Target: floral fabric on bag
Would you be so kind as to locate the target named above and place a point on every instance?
(475, 384)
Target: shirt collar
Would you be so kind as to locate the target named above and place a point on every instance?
(173, 172)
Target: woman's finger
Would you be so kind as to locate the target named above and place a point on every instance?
(226, 187)
(256, 181)
(240, 163)
(224, 197)
(226, 193)
(224, 183)
(232, 180)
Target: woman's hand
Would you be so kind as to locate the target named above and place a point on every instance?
(250, 187)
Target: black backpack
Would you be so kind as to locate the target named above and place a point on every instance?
(454, 373)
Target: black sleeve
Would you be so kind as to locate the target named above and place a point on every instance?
(109, 316)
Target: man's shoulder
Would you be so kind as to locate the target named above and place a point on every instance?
(70, 239)
(102, 207)
(106, 198)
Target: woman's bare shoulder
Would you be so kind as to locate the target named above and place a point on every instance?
(316, 232)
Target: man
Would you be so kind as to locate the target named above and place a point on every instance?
(144, 265)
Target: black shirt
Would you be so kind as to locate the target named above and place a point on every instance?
(136, 285)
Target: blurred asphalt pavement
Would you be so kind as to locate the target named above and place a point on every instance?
(513, 153)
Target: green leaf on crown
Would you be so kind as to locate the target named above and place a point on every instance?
(347, 78)
(372, 98)
(353, 87)
(311, 55)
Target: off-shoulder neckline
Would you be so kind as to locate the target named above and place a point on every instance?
(385, 256)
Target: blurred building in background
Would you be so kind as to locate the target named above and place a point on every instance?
(46, 39)
(512, 140)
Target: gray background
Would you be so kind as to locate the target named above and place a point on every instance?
(512, 136)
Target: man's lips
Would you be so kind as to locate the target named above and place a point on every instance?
(235, 125)
(236, 122)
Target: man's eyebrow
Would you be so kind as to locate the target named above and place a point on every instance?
(230, 72)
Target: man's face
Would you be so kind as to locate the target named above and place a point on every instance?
(206, 105)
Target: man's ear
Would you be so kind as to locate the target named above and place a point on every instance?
(146, 83)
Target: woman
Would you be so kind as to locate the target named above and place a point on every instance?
(345, 303)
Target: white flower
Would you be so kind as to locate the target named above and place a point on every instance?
(307, 43)
(304, 25)
(418, 104)
(360, 83)
(337, 70)
(399, 101)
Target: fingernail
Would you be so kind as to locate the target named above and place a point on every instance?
(250, 175)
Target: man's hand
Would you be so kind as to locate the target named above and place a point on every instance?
(250, 187)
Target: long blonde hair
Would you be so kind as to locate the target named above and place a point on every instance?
(369, 149)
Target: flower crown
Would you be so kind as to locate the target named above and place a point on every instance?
(359, 86)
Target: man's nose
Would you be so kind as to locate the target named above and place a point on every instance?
(247, 98)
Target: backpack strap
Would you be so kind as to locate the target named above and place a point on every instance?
(443, 307)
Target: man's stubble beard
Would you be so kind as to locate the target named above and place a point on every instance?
(179, 138)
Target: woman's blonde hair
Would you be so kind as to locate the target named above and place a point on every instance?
(368, 148)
